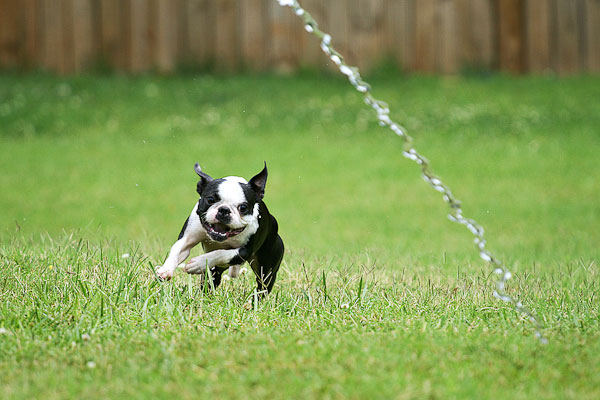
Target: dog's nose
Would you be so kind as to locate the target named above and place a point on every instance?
(223, 211)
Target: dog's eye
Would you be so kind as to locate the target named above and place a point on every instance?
(243, 207)
(210, 200)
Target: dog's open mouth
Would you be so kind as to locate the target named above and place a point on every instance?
(219, 231)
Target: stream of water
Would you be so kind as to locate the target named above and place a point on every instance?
(383, 116)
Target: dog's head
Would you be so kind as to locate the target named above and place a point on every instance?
(228, 205)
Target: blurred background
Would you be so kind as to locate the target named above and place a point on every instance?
(431, 36)
(105, 106)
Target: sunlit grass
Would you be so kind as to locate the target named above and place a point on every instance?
(379, 294)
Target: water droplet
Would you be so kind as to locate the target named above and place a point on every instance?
(409, 155)
(485, 256)
(346, 70)
(397, 130)
(336, 59)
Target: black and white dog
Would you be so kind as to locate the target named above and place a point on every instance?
(234, 226)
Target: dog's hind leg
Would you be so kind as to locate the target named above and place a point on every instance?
(215, 274)
(266, 265)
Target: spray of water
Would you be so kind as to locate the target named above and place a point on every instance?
(383, 116)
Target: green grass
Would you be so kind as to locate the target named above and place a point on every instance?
(380, 296)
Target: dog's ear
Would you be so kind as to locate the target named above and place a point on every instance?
(204, 178)
(259, 182)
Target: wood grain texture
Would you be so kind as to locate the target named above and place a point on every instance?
(537, 35)
(425, 33)
(111, 46)
(253, 34)
(166, 35)
(567, 49)
(432, 36)
(592, 22)
(510, 35)
(446, 43)
(401, 32)
(9, 33)
(84, 39)
(227, 35)
(201, 31)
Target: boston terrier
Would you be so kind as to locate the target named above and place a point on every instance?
(234, 226)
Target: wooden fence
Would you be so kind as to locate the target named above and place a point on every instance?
(442, 36)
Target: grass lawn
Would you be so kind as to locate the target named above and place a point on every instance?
(380, 296)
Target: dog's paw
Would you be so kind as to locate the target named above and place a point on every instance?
(196, 265)
(164, 273)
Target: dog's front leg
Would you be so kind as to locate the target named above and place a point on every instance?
(215, 258)
(191, 234)
(179, 252)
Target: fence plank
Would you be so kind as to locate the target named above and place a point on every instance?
(111, 38)
(401, 32)
(183, 44)
(68, 32)
(253, 27)
(140, 47)
(312, 54)
(166, 35)
(475, 33)
(226, 49)
(83, 34)
(30, 19)
(446, 37)
(9, 40)
(567, 56)
(53, 43)
(283, 50)
(593, 35)
(425, 35)
(581, 36)
(201, 31)
(367, 19)
(466, 53)
(537, 43)
(510, 19)
(483, 36)
(338, 26)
